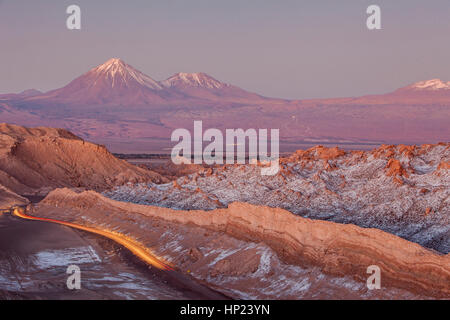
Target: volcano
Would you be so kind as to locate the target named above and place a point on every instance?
(112, 83)
(119, 106)
(116, 83)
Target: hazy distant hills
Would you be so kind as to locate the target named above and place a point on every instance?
(125, 109)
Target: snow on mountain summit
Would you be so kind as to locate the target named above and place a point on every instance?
(111, 83)
(117, 70)
(433, 85)
(117, 83)
(199, 79)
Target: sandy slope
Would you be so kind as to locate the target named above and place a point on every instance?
(36, 160)
(9, 198)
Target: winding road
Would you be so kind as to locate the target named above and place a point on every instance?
(192, 288)
(136, 248)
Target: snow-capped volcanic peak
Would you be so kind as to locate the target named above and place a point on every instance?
(193, 80)
(433, 85)
(117, 70)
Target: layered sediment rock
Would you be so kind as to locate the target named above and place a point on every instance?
(338, 249)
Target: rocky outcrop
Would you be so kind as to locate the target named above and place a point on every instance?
(238, 264)
(336, 248)
(36, 160)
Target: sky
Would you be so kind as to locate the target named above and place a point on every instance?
(293, 49)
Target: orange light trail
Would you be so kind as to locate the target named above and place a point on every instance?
(136, 248)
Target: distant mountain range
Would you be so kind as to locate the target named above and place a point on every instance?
(116, 83)
(125, 109)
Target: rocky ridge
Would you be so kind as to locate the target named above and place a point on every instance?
(404, 190)
(336, 249)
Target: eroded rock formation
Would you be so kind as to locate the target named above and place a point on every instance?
(390, 188)
(337, 249)
(9, 199)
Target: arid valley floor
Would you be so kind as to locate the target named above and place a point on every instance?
(309, 232)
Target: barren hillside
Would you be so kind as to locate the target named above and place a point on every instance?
(37, 160)
(9, 198)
